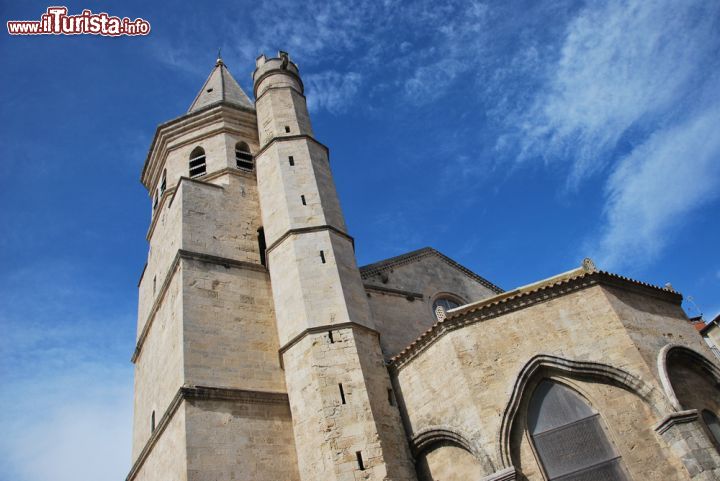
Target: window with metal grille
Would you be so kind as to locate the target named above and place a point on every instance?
(197, 162)
(570, 439)
(445, 304)
(243, 157)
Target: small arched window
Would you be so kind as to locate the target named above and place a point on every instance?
(443, 304)
(243, 156)
(569, 437)
(713, 424)
(197, 163)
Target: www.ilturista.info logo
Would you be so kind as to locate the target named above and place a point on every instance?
(56, 21)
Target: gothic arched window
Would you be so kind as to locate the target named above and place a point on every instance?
(197, 162)
(243, 156)
(570, 438)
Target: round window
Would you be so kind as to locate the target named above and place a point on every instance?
(442, 305)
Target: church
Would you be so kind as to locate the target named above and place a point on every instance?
(265, 353)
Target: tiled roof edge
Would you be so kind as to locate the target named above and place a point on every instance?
(519, 299)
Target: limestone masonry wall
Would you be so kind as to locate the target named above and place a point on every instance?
(401, 320)
(229, 334)
(168, 459)
(159, 370)
(332, 425)
(240, 441)
(465, 379)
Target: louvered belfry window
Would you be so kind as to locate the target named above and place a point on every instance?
(570, 438)
(243, 157)
(197, 162)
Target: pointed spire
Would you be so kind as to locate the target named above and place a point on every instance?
(220, 86)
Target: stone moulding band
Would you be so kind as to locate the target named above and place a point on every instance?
(204, 181)
(307, 230)
(165, 149)
(572, 368)
(282, 87)
(426, 438)
(286, 138)
(507, 474)
(190, 255)
(685, 351)
(170, 194)
(317, 329)
(411, 296)
(202, 393)
(672, 419)
(403, 259)
(274, 71)
(210, 112)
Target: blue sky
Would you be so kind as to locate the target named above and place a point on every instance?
(516, 137)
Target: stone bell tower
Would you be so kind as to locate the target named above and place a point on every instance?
(336, 380)
(210, 398)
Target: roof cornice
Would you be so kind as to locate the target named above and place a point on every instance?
(387, 264)
(522, 298)
(200, 117)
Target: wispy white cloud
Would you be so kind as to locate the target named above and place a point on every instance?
(331, 90)
(456, 35)
(657, 185)
(588, 88)
(630, 94)
(624, 64)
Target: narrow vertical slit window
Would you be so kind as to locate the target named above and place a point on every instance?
(322, 257)
(197, 163)
(291, 160)
(342, 393)
(154, 284)
(391, 398)
(243, 156)
(361, 464)
(261, 245)
(287, 129)
(302, 199)
(163, 182)
(155, 202)
(152, 422)
(330, 336)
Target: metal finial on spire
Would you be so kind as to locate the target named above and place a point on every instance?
(219, 60)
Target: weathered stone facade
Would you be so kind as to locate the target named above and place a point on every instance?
(264, 353)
